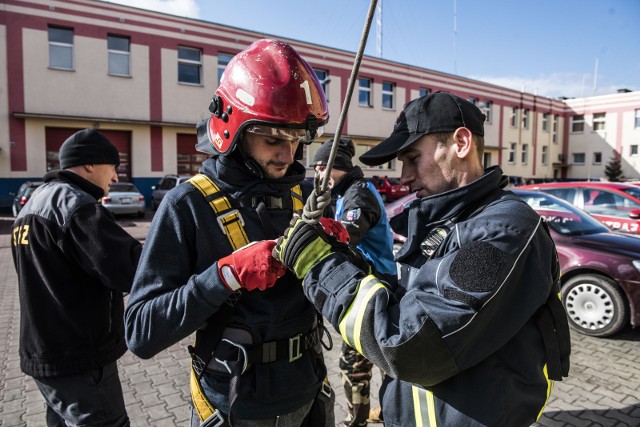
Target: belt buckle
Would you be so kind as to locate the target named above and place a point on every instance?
(243, 351)
(229, 214)
(294, 348)
(215, 420)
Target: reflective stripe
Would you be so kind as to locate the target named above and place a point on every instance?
(296, 198)
(203, 408)
(351, 323)
(424, 407)
(550, 384)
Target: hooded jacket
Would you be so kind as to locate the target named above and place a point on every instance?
(73, 262)
(177, 288)
(458, 339)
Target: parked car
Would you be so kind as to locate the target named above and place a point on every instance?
(616, 204)
(600, 278)
(165, 184)
(22, 196)
(124, 198)
(389, 188)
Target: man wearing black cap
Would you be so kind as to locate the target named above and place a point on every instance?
(359, 207)
(475, 333)
(74, 262)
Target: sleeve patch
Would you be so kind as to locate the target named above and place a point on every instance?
(352, 215)
(477, 266)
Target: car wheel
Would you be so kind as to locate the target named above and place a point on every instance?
(595, 305)
(383, 197)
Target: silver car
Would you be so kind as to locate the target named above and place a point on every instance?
(124, 199)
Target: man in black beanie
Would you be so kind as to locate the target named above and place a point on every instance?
(358, 206)
(74, 262)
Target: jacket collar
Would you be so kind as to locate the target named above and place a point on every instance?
(75, 180)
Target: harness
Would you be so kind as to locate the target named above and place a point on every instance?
(231, 223)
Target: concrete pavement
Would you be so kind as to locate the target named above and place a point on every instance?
(603, 388)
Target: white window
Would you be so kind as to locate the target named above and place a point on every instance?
(323, 77)
(364, 92)
(524, 154)
(578, 158)
(545, 155)
(485, 107)
(388, 90)
(577, 123)
(599, 121)
(424, 91)
(118, 48)
(545, 122)
(633, 150)
(637, 123)
(474, 101)
(512, 153)
(597, 158)
(61, 48)
(525, 119)
(513, 120)
(223, 61)
(555, 129)
(189, 65)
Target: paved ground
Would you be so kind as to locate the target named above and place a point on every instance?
(603, 389)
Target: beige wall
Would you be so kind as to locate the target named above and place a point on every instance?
(5, 148)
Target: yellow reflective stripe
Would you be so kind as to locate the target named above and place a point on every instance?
(550, 384)
(431, 408)
(200, 403)
(296, 198)
(351, 324)
(424, 407)
(232, 221)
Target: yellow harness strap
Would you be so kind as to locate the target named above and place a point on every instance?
(231, 224)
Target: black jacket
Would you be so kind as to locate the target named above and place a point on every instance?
(73, 262)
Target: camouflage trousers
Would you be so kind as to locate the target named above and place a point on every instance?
(356, 371)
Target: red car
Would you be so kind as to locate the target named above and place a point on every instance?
(614, 203)
(389, 188)
(600, 269)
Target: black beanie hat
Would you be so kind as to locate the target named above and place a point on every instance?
(345, 153)
(87, 147)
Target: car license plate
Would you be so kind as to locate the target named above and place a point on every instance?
(125, 200)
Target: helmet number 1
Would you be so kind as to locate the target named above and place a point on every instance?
(307, 92)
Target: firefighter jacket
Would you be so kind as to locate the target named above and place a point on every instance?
(457, 339)
(177, 288)
(73, 262)
(361, 210)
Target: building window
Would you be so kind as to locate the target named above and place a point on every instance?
(512, 153)
(485, 107)
(555, 129)
(525, 119)
(524, 155)
(597, 158)
(545, 155)
(637, 123)
(119, 55)
(61, 48)
(577, 123)
(545, 122)
(323, 77)
(599, 121)
(486, 159)
(223, 61)
(474, 101)
(513, 120)
(424, 91)
(364, 92)
(578, 158)
(189, 65)
(633, 150)
(388, 90)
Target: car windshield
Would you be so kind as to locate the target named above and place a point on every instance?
(123, 188)
(394, 181)
(632, 191)
(561, 216)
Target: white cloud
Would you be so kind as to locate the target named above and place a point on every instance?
(187, 8)
(570, 85)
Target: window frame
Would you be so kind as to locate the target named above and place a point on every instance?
(190, 63)
(574, 157)
(544, 155)
(597, 158)
(116, 53)
(222, 64)
(58, 46)
(599, 121)
(511, 158)
(324, 82)
(524, 154)
(513, 119)
(388, 94)
(365, 90)
(577, 123)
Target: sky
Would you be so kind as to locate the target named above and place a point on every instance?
(553, 48)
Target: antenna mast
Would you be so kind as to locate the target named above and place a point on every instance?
(379, 29)
(455, 35)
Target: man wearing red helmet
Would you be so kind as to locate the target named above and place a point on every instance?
(257, 357)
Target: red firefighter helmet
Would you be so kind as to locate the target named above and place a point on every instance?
(267, 84)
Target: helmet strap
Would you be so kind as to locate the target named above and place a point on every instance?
(244, 159)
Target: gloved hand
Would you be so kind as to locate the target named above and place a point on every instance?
(303, 244)
(251, 267)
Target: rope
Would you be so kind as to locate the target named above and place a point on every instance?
(321, 197)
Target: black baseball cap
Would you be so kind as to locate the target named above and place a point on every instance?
(436, 112)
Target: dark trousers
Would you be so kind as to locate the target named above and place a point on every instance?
(93, 398)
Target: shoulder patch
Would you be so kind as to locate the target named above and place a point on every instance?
(352, 215)
(477, 266)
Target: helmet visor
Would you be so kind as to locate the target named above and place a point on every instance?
(303, 136)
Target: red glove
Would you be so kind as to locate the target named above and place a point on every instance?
(335, 229)
(251, 267)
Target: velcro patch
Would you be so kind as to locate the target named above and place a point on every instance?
(476, 267)
(353, 214)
